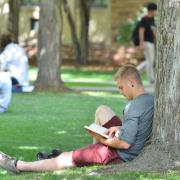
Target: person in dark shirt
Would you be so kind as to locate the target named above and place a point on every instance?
(147, 39)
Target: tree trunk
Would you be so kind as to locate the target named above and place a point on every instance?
(76, 45)
(13, 19)
(167, 94)
(2, 15)
(84, 40)
(49, 46)
(81, 46)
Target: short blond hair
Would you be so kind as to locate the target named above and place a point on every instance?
(128, 71)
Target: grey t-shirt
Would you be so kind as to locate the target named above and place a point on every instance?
(137, 125)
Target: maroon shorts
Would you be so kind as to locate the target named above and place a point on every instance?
(98, 153)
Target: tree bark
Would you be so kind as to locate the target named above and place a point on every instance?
(49, 46)
(84, 39)
(75, 41)
(167, 94)
(13, 19)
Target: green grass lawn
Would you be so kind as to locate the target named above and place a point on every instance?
(85, 77)
(43, 121)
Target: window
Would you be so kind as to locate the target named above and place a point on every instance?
(30, 2)
(99, 3)
(34, 24)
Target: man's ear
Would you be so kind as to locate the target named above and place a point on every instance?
(131, 84)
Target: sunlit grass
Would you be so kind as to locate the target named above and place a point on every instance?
(80, 74)
(44, 121)
(85, 77)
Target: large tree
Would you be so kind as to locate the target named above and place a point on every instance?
(167, 94)
(13, 20)
(49, 45)
(163, 152)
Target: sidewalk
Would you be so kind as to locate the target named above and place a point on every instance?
(149, 88)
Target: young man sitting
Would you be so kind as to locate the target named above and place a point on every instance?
(132, 133)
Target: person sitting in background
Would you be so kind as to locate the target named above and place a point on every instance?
(5, 90)
(14, 61)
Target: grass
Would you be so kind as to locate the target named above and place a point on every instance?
(43, 121)
(86, 77)
(89, 84)
(87, 74)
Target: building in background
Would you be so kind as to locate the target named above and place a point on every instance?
(109, 23)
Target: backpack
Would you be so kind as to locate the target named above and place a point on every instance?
(135, 34)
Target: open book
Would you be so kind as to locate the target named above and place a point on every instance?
(98, 129)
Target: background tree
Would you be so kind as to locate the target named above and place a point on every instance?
(81, 45)
(74, 35)
(49, 45)
(163, 153)
(84, 38)
(13, 19)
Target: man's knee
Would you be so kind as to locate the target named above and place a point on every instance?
(101, 110)
(64, 160)
(104, 110)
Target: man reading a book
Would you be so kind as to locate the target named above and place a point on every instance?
(127, 138)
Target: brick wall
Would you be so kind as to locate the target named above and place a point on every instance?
(98, 55)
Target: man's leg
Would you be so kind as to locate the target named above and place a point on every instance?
(64, 160)
(98, 154)
(149, 57)
(9, 163)
(105, 116)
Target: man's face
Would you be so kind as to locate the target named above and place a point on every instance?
(125, 88)
(153, 13)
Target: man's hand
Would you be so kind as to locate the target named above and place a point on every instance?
(112, 130)
(111, 142)
(142, 46)
(98, 137)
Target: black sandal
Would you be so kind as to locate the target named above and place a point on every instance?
(42, 155)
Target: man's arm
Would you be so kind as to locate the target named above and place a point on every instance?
(141, 37)
(115, 143)
(6, 57)
(111, 142)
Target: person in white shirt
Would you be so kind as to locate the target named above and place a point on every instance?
(14, 61)
(5, 90)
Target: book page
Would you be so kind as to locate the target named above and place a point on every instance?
(97, 129)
